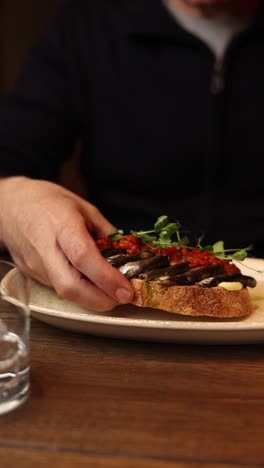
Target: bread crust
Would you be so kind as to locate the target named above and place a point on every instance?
(192, 300)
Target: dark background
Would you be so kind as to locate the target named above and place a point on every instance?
(21, 23)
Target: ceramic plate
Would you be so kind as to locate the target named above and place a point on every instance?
(143, 323)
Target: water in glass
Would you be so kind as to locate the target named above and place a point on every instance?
(14, 354)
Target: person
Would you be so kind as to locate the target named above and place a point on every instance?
(166, 100)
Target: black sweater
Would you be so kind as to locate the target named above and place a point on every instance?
(164, 128)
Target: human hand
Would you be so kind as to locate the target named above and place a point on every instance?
(49, 232)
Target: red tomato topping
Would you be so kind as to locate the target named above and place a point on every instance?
(196, 257)
(230, 267)
(104, 243)
(128, 242)
(133, 250)
(165, 251)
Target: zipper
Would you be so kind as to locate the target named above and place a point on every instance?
(216, 141)
(218, 79)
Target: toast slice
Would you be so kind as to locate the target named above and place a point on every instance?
(175, 277)
(192, 300)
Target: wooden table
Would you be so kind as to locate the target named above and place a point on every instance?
(102, 402)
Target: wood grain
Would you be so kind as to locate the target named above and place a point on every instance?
(31, 459)
(127, 403)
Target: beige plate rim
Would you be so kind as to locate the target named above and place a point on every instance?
(136, 319)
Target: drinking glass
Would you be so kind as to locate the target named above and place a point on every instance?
(14, 348)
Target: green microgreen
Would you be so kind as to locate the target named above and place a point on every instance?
(116, 234)
(167, 234)
(162, 234)
(219, 251)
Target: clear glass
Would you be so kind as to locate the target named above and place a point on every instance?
(14, 349)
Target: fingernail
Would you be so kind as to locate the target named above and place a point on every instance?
(123, 295)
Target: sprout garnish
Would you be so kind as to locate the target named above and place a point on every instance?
(164, 233)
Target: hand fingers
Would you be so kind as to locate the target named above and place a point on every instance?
(62, 235)
(56, 271)
(70, 284)
(79, 247)
(31, 265)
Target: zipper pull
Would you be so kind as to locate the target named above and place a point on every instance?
(218, 80)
